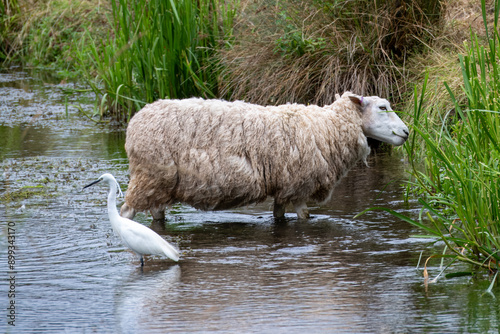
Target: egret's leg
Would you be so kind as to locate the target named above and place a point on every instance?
(127, 212)
(301, 209)
(158, 213)
(279, 210)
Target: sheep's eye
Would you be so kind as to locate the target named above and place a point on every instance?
(382, 108)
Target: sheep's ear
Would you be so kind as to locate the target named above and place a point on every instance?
(357, 100)
(337, 97)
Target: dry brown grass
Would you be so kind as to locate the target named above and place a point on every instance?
(340, 48)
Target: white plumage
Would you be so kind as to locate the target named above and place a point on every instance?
(139, 238)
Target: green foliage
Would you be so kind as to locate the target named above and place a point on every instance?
(47, 41)
(9, 9)
(459, 183)
(293, 42)
(45, 34)
(158, 49)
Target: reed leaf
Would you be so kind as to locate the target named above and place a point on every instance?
(459, 183)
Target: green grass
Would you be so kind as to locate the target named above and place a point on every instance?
(44, 34)
(158, 49)
(459, 183)
(9, 10)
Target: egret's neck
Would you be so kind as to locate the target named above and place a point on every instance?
(112, 210)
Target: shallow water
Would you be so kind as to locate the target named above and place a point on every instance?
(240, 270)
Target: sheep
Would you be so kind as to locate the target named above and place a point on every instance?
(217, 155)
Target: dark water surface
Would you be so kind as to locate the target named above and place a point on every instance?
(240, 271)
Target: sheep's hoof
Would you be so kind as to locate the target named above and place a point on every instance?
(301, 209)
(303, 215)
(279, 210)
(158, 214)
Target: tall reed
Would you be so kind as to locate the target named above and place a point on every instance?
(159, 49)
(459, 183)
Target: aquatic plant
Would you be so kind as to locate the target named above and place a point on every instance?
(158, 49)
(459, 182)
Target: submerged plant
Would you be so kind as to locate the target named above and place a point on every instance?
(459, 183)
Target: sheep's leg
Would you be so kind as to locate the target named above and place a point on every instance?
(127, 211)
(158, 213)
(279, 210)
(301, 209)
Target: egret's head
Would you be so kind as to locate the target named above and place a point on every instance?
(106, 178)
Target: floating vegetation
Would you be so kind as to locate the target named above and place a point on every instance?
(25, 192)
(44, 178)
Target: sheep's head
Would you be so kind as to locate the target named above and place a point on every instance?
(379, 121)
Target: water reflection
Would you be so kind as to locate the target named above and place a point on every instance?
(144, 294)
(28, 141)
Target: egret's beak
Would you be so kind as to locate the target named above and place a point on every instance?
(91, 184)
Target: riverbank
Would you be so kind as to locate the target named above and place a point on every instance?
(269, 53)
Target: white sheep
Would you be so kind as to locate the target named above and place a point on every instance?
(216, 155)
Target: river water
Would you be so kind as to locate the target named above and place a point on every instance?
(240, 271)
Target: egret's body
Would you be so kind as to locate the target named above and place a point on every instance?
(139, 238)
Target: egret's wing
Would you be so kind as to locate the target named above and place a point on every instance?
(143, 240)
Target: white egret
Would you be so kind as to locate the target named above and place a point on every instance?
(139, 238)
